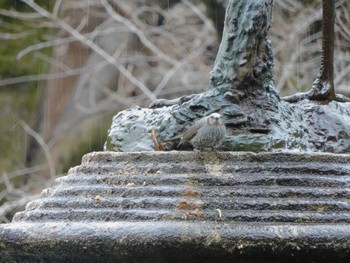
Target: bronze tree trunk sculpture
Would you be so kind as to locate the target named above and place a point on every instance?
(242, 91)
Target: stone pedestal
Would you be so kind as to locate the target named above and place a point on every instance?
(189, 207)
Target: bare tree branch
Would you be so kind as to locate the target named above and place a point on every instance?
(138, 32)
(15, 36)
(199, 13)
(93, 46)
(66, 40)
(20, 15)
(44, 146)
(15, 204)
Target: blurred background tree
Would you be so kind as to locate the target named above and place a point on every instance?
(68, 66)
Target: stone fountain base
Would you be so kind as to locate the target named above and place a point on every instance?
(189, 207)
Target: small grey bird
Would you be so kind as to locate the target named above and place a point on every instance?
(207, 133)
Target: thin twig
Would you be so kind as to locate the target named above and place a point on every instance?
(199, 13)
(14, 205)
(57, 7)
(48, 76)
(155, 140)
(175, 68)
(20, 15)
(44, 146)
(93, 46)
(66, 40)
(138, 32)
(52, 61)
(15, 36)
(24, 171)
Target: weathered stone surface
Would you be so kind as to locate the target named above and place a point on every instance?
(189, 207)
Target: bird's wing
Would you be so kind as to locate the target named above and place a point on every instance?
(192, 131)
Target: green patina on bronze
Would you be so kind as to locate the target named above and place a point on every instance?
(242, 91)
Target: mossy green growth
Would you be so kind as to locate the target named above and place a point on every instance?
(18, 35)
(21, 6)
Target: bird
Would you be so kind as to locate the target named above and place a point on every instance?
(206, 134)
